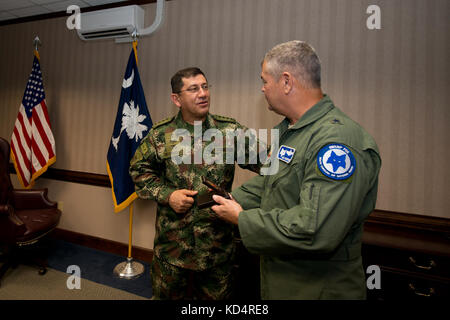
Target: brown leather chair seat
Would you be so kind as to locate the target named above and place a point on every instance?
(37, 222)
(26, 216)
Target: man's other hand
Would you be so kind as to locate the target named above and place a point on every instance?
(182, 200)
(227, 210)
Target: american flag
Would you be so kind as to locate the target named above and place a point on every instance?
(32, 142)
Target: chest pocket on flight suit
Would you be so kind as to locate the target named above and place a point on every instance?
(285, 186)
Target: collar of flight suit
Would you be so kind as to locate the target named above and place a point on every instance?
(316, 112)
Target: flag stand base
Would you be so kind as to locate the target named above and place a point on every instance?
(129, 269)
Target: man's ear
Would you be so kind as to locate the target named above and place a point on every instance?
(175, 99)
(288, 82)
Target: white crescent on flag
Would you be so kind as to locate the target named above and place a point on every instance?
(128, 82)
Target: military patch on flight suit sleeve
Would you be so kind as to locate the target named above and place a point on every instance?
(336, 161)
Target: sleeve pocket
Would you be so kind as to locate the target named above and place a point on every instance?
(303, 219)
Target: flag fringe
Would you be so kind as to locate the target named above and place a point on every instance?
(121, 206)
(19, 177)
(43, 169)
(35, 175)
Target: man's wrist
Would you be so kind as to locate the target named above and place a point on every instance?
(164, 195)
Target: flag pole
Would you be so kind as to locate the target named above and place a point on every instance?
(130, 230)
(129, 269)
(36, 42)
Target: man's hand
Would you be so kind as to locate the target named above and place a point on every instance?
(182, 200)
(227, 210)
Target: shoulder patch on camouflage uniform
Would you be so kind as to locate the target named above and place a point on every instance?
(160, 123)
(223, 118)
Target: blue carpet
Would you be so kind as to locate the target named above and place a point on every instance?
(97, 266)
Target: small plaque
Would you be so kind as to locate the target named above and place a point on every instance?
(206, 200)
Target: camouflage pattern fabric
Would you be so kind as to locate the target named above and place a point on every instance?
(174, 283)
(197, 239)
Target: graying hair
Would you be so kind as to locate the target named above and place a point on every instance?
(296, 57)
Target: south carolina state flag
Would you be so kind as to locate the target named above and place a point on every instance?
(132, 124)
(32, 142)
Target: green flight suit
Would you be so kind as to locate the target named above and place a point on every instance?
(307, 225)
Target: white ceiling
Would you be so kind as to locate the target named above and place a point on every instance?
(13, 9)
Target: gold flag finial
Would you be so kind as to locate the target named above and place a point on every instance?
(36, 43)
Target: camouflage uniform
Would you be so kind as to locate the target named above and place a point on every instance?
(195, 240)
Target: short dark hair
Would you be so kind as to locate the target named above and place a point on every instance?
(177, 80)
